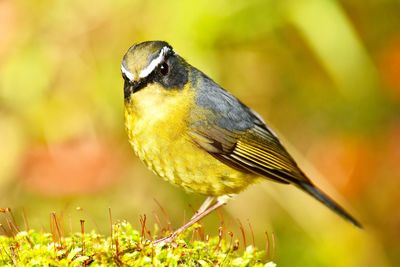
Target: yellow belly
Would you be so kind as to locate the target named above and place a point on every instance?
(156, 122)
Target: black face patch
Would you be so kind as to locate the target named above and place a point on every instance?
(172, 73)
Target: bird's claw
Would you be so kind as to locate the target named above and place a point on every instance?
(165, 240)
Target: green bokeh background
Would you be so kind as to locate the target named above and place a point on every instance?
(324, 74)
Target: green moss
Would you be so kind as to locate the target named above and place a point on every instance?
(124, 248)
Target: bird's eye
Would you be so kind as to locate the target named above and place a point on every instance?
(164, 69)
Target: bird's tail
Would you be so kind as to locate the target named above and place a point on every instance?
(327, 201)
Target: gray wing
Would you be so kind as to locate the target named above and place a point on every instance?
(236, 135)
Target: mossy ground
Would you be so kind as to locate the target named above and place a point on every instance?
(124, 247)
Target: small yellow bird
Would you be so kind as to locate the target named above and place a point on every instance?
(194, 134)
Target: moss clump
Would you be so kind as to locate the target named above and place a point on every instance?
(125, 247)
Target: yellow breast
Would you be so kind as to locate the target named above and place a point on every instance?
(156, 120)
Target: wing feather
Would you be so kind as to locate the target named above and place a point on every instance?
(255, 150)
(234, 134)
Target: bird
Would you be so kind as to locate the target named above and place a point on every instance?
(193, 133)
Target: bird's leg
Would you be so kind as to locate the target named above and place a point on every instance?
(204, 206)
(197, 217)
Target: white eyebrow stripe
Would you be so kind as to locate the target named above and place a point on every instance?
(128, 74)
(155, 62)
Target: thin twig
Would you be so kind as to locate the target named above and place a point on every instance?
(252, 233)
(26, 223)
(243, 233)
(164, 212)
(83, 235)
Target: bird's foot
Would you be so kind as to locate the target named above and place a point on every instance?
(165, 240)
(204, 211)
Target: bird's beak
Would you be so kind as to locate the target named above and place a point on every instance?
(128, 89)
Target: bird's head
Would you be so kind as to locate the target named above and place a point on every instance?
(155, 64)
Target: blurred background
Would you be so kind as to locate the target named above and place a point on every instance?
(325, 75)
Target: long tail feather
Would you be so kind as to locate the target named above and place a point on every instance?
(327, 201)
